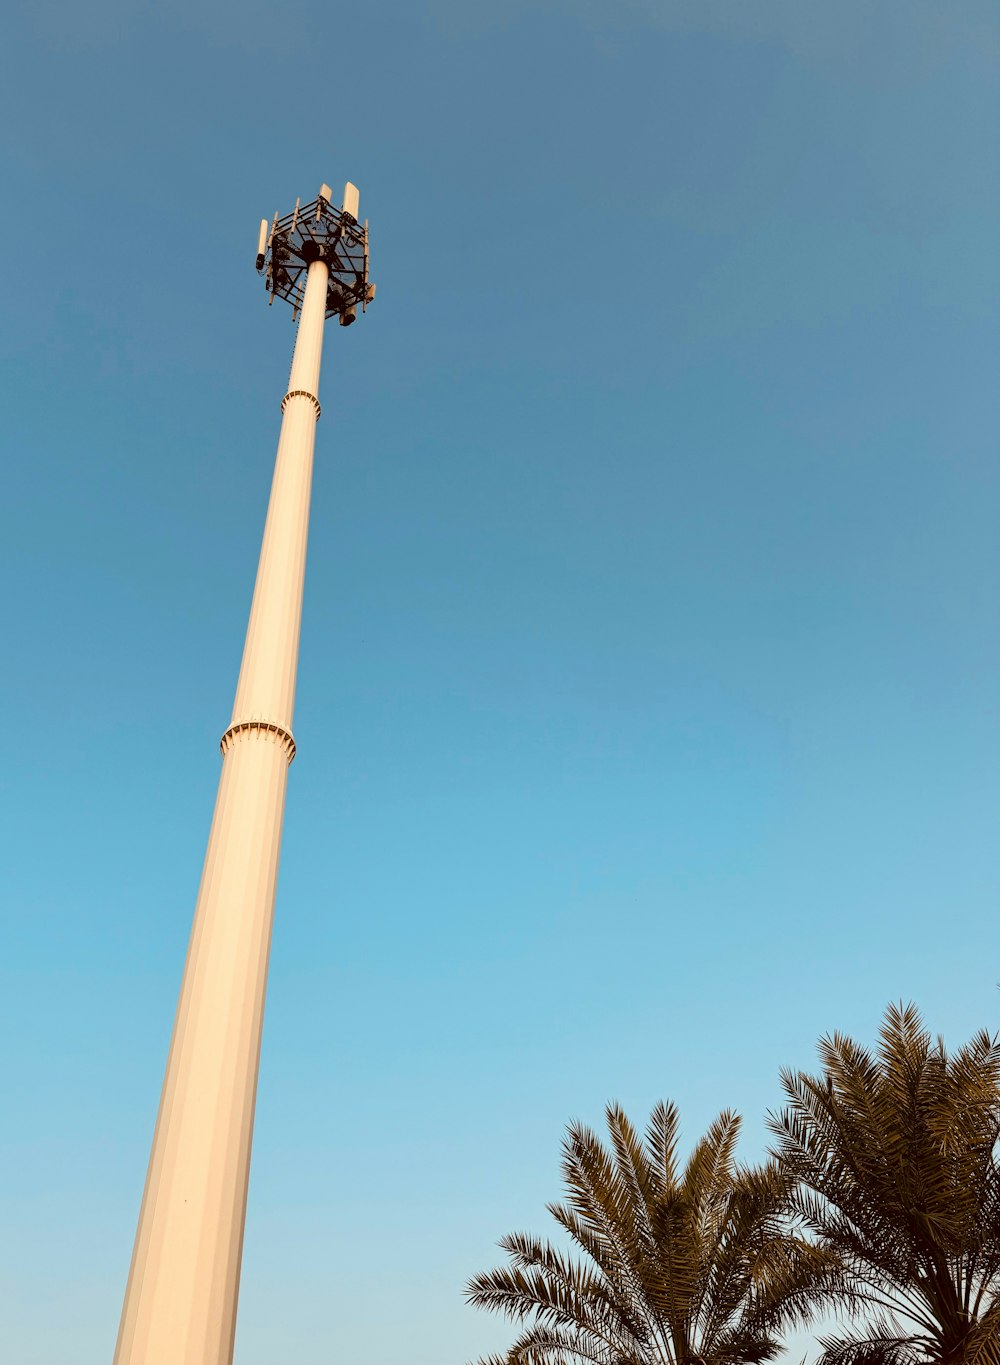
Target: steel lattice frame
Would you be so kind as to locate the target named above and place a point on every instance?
(318, 231)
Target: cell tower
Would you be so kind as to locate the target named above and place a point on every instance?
(183, 1284)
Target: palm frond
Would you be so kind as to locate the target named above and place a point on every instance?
(669, 1265)
(893, 1155)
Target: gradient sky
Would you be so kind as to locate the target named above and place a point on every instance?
(647, 708)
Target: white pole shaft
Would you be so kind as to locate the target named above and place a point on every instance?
(183, 1285)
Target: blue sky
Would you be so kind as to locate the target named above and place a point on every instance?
(647, 708)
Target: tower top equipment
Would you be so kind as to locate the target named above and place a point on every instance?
(286, 247)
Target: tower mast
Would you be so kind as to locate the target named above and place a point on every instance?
(183, 1284)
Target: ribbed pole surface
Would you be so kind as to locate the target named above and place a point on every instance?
(183, 1285)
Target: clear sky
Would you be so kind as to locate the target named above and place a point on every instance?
(647, 709)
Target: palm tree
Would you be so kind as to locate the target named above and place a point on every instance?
(678, 1267)
(893, 1156)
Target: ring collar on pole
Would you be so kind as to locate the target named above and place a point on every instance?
(303, 393)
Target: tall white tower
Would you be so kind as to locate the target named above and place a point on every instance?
(183, 1284)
